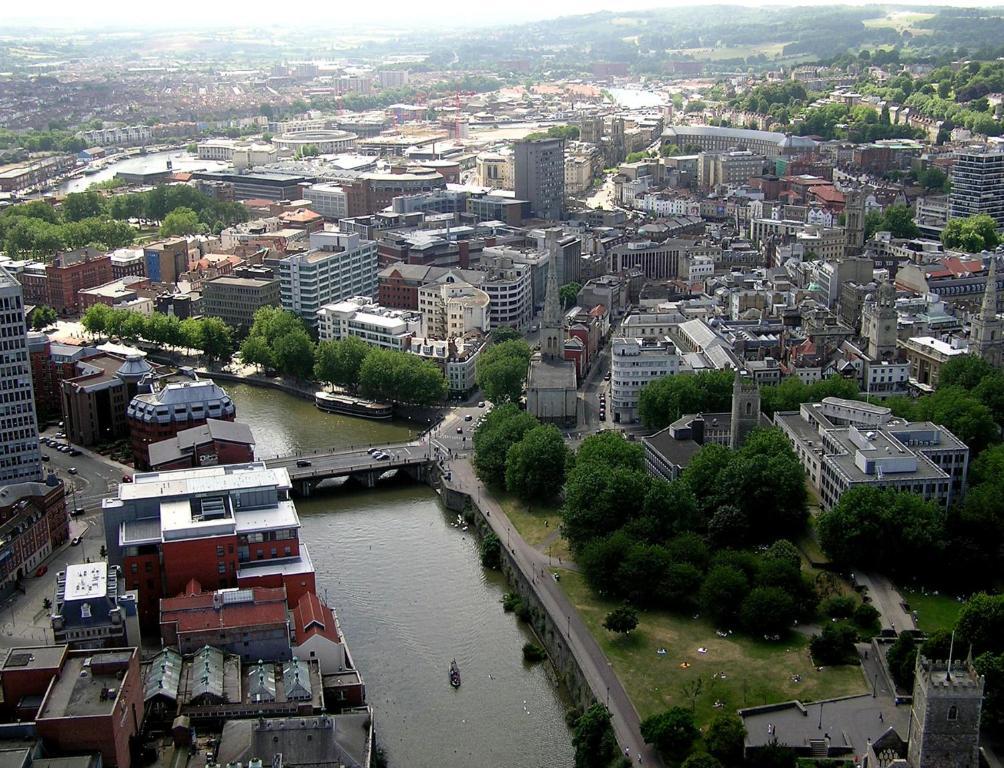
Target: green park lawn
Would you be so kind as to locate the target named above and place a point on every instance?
(749, 672)
(538, 524)
(934, 612)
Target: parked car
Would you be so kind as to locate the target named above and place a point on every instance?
(126, 478)
(76, 541)
(481, 404)
(468, 417)
(460, 430)
(46, 457)
(302, 463)
(74, 451)
(41, 570)
(72, 470)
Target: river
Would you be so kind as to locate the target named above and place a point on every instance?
(155, 161)
(411, 595)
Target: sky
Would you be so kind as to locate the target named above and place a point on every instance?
(193, 13)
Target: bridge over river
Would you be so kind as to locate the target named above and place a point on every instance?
(306, 471)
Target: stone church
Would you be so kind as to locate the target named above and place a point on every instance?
(551, 389)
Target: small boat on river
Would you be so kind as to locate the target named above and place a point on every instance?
(454, 674)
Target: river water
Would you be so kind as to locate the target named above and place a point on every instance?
(411, 595)
(155, 161)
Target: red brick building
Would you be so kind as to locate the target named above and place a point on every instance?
(94, 704)
(50, 364)
(215, 442)
(251, 623)
(70, 272)
(224, 526)
(115, 291)
(25, 677)
(33, 522)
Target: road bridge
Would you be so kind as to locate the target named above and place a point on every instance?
(358, 465)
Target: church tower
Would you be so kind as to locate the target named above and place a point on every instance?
(745, 410)
(882, 325)
(551, 332)
(945, 716)
(986, 327)
(854, 222)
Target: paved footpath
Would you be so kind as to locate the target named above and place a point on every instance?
(602, 680)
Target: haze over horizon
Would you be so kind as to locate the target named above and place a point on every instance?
(119, 14)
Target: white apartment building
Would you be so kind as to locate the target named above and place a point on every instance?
(130, 134)
(457, 358)
(20, 455)
(700, 269)
(495, 170)
(329, 200)
(450, 310)
(360, 317)
(510, 294)
(578, 174)
(633, 364)
(846, 443)
(337, 266)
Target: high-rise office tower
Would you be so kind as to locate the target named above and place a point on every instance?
(20, 455)
(978, 185)
(540, 176)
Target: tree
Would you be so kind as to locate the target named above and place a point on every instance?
(898, 221)
(664, 400)
(217, 340)
(972, 234)
(870, 524)
(599, 499)
(504, 333)
(401, 377)
(671, 732)
(256, 351)
(773, 755)
(961, 412)
(338, 362)
(901, 658)
(82, 205)
(991, 666)
(568, 293)
(722, 593)
(503, 427)
(294, 354)
(501, 370)
(43, 317)
(180, 221)
(535, 466)
(835, 644)
(965, 371)
(593, 738)
(491, 551)
(622, 620)
(981, 623)
(725, 737)
(767, 610)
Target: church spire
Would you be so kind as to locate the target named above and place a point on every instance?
(552, 300)
(989, 309)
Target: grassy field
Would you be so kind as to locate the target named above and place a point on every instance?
(900, 21)
(539, 525)
(735, 671)
(770, 50)
(934, 612)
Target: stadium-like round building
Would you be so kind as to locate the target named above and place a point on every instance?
(327, 141)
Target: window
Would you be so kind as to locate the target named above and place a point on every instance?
(953, 712)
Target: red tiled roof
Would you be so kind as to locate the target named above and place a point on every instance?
(192, 612)
(312, 617)
(827, 194)
(256, 202)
